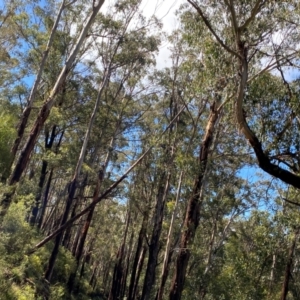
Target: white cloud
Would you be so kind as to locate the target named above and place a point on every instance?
(164, 10)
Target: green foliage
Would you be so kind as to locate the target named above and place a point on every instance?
(240, 249)
(15, 238)
(7, 135)
(24, 271)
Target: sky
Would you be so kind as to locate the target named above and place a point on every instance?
(164, 10)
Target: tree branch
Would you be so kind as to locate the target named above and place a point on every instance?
(208, 25)
(258, 5)
(291, 202)
(233, 15)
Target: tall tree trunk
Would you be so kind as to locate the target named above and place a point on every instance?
(85, 228)
(66, 239)
(35, 208)
(154, 241)
(288, 268)
(119, 266)
(47, 189)
(92, 279)
(104, 194)
(106, 277)
(167, 251)
(51, 216)
(139, 271)
(52, 259)
(191, 221)
(44, 112)
(126, 268)
(26, 113)
(49, 140)
(67, 236)
(138, 251)
(87, 256)
(76, 240)
(45, 200)
(73, 184)
(274, 257)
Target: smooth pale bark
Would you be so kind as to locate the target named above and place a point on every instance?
(168, 244)
(274, 259)
(26, 112)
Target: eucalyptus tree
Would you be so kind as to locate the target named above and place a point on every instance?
(164, 167)
(26, 112)
(247, 32)
(9, 38)
(208, 87)
(240, 42)
(118, 64)
(44, 112)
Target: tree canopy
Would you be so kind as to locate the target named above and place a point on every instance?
(125, 178)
